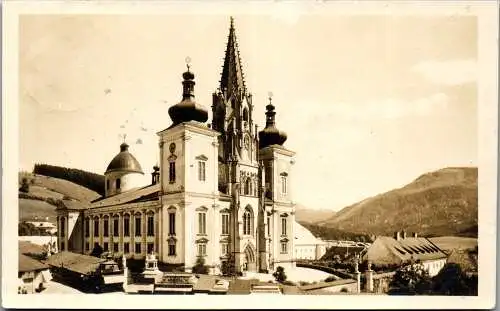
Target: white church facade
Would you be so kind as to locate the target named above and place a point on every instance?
(220, 192)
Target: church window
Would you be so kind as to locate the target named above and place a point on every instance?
(171, 173)
(201, 170)
(107, 184)
(283, 225)
(138, 231)
(225, 223)
(126, 225)
(247, 187)
(63, 226)
(245, 114)
(115, 247)
(202, 249)
(171, 247)
(126, 248)
(62, 246)
(106, 226)
(202, 223)
(171, 222)
(137, 248)
(283, 185)
(151, 248)
(151, 225)
(96, 226)
(268, 225)
(106, 246)
(247, 222)
(118, 183)
(284, 247)
(116, 228)
(87, 227)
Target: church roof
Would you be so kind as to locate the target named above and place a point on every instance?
(148, 193)
(232, 72)
(124, 162)
(388, 250)
(304, 236)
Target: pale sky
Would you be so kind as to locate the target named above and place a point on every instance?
(369, 103)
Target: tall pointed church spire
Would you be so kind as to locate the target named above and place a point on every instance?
(232, 81)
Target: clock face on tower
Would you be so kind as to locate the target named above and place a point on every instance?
(172, 148)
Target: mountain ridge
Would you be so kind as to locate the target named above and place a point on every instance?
(442, 202)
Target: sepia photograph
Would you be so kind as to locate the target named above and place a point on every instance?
(276, 150)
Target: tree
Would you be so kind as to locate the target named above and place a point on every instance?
(452, 280)
(200, 267)
(411, 279)
(97, 251)
(279, 275)
(227, 266)
(25, 186)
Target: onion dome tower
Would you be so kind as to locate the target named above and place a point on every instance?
(188, 109)
(270, 135)
(123, 172)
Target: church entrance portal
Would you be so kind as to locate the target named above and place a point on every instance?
(249, 263)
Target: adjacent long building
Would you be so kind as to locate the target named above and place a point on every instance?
(221, 190)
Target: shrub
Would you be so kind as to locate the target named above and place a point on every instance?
(330, 279)
(344, 290)
(280, 275)
(289, 283)
(25, 186)
(200, 267)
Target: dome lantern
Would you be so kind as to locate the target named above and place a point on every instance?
(188, 109)
(270, 135)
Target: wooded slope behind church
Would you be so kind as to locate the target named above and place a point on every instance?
(220, 191)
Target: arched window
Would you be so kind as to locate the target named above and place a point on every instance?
(245, 114)
(106, 226)
(107, 184)
(171, 220)
(171, 172)
(247, 186)
(118, 183)
(150, 224)
(126, 225)
(96, 226)
(116, 227)
(247, 222)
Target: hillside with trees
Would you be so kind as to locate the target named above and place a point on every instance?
(92, 181)
(440, 203)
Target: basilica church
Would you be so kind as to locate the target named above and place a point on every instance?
(220, 190)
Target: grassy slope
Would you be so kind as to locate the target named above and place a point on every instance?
(438, 203)
(49, 187)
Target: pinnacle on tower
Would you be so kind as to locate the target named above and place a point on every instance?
(232, 79)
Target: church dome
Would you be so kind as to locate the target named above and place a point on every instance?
(188, 109)
(270, 135)
(124, 162)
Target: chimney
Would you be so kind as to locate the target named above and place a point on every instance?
(415, 235)
(397, 236)
(403, 234)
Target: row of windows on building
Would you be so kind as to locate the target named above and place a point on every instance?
(202, 176)
(150, 227)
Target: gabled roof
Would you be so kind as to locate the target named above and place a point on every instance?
(28, 264)
(387, 250)
(75, 262)
(28, 248)
(148, 193)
